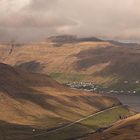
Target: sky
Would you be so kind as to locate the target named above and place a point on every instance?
(33, 20)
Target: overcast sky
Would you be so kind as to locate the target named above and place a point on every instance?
(29, 20)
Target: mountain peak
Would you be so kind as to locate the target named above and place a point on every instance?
(72, 39)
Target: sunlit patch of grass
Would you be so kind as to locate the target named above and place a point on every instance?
(106, 118)
(64, 78)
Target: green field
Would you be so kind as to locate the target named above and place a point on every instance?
(105, 119)
(112, 82)
(64, 78)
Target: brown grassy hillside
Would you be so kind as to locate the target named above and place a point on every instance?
(97, 61)
(35, 100)
(128, 129)
(21, 92)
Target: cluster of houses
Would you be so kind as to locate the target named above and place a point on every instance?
(91, 87)
(122, 91)
(84, 86)
(137, 82)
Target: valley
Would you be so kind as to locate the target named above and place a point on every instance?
(101, 62)
(68, 89)
(69, 70)
(129, 98)
(33, 105)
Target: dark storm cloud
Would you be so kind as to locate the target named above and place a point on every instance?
(35, 19)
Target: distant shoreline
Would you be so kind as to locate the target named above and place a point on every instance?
(130, 100)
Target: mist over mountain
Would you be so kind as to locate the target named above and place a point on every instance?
(32, 20)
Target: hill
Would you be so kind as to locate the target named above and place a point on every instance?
(106, 63)
(34, 101)
(128, 129)
(62, 39)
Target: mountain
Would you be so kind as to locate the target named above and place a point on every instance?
(124, 44)
(62, 39)
(128, 129)
(104, 63)
(34, 101)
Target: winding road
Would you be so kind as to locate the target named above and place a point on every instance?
(73, 123)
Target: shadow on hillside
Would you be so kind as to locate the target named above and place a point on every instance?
(44, 101)
(122, 61)
(32, 66)
(55, 104)
(8, 131)
(23, 86)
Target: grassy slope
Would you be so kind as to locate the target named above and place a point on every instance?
(106, 118)
(128, 129)
(89, 125)
(35, 100)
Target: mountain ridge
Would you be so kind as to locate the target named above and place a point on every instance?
(100, 62)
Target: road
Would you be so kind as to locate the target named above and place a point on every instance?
(73, 123)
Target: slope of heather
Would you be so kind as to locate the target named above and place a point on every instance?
(32, 99)
(128, 129)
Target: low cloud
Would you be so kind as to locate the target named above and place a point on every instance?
(29, 20)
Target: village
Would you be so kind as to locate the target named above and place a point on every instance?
(91, 87)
